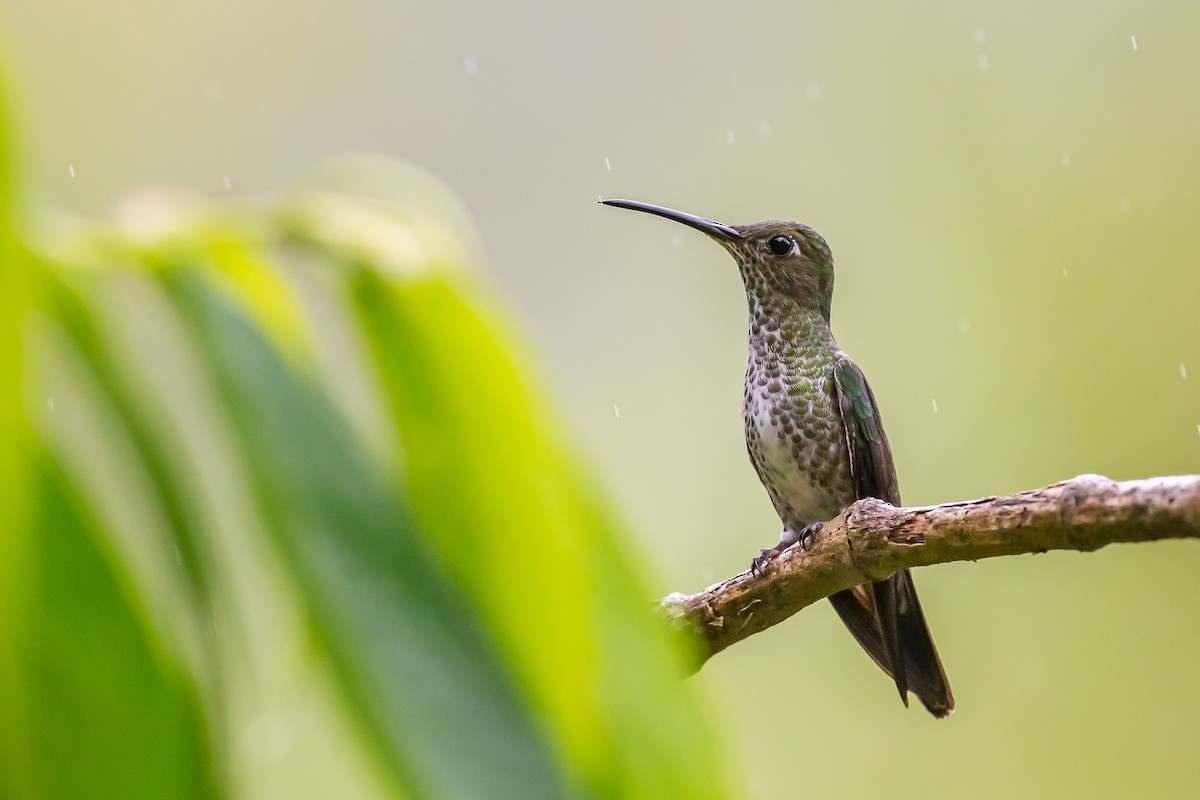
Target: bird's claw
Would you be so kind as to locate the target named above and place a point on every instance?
(805, 538)
(808, 535)
(758, 564)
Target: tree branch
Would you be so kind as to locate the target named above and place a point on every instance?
(871, 540)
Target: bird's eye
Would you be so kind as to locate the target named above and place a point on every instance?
(781, 245)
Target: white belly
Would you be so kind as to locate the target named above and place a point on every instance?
(784, 457)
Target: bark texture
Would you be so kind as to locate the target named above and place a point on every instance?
(871, 539)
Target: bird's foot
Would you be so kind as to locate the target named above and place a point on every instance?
(805, 538)
(808, 534)
(758, 564)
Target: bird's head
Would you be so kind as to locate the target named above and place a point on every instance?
(781, 263)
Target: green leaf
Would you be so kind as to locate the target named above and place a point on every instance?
(412, 657)
(499, 496)
(92, 708)
(310, 528)
(107, 716)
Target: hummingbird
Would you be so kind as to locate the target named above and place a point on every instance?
(814, 433)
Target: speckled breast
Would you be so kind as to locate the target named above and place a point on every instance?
(794, 434)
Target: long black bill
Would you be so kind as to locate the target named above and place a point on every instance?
(711, 227)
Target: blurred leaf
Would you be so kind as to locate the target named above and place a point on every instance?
(91, 706)
(107, 718)
(497, 494)
(16, 773)
(440, 703)
(506, 509)
(310, 532)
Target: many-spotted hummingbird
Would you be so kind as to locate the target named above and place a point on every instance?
(814, 433)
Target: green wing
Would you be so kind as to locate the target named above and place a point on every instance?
(870, 455)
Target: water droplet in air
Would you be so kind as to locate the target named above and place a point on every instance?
(616, 411)
(1065, 159)
(71, 169)
(470, 65)
(982, 61)
(1133, 41)
(1182, 370)
(813, 92)
(607, 164)
(964, 325)
(228, 184)
(729, 137)
(934, 405)
(980, 34)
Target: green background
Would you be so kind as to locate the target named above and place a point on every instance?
(1011, 194)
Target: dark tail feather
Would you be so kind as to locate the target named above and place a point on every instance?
(886, 595)
(920, 666)
(926, 677)
(857, 610)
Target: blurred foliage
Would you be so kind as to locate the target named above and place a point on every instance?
(1010, 191)
(283, 517)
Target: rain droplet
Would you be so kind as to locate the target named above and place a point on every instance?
(982, 61)
(1065, 276)
(1133, 41)
(813, 92)
(50, 401)
(964, 325)
(1125, 204)
(607, 164)
(71, 169)
(1182, 370)
(934, 405)
(470, 65)
(228, 184)
(1065, 159)
(764, 128)
(980, 34)
(729, 137)
(616, 411)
